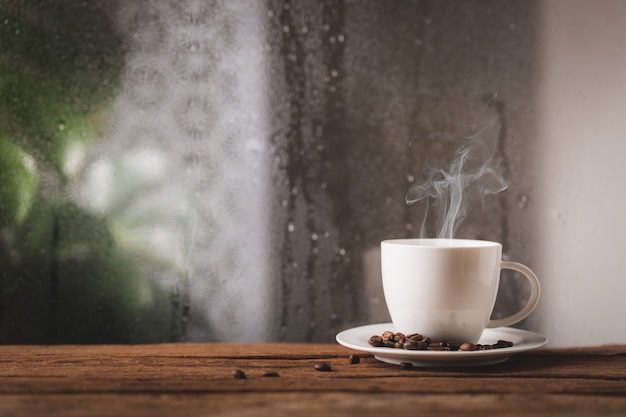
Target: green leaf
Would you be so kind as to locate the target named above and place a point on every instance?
(18, 182)
(60, 65)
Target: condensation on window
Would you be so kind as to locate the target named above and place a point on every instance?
(225, 170)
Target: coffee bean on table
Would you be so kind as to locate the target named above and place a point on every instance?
(354, 359)
(406, 365)
(271, 374)
(323, 367)
(239, 374)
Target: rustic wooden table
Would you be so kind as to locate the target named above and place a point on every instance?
(197, 380)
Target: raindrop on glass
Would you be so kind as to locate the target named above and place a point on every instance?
(523, 200)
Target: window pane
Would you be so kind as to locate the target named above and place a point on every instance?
(225, 170)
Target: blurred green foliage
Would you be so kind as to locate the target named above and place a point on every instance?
(17, 182)
(63, 276)
(60, 62)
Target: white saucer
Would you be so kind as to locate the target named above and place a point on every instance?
(523, 341)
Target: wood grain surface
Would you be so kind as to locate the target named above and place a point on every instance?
(197, 379)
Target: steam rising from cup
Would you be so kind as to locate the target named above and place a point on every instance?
(471, 176)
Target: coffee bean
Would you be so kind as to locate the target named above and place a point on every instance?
(414, 345)
(387, 335)
(399, 337)
(467, 346)
(239, 374)
(502, 344)
(323, 367)
(438, 346)
(406, 365)
(354, 359)
(376, 341)
(390, 343)
(271, 374)
(417, 341)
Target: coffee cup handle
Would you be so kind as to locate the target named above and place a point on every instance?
(535, 290)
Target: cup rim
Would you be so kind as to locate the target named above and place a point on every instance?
(440, 243)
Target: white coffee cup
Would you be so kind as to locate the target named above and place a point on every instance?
(446, 288)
